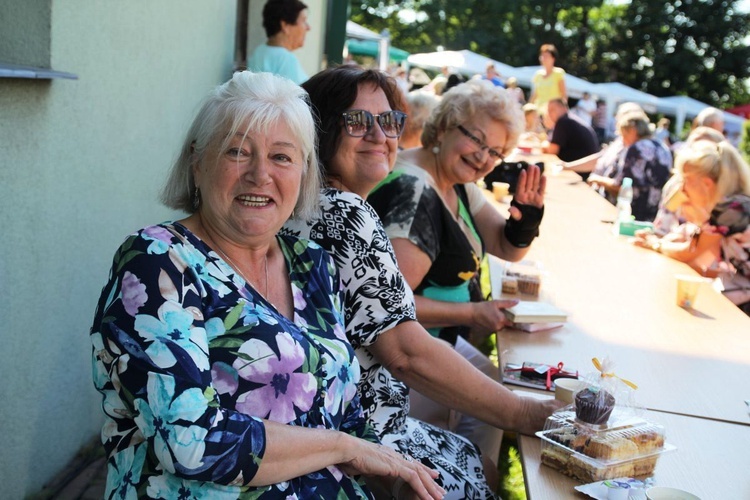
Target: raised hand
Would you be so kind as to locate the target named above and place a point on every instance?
(529, 190)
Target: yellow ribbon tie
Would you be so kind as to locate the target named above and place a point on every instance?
(598, 366)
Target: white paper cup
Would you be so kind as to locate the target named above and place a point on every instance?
(565, 388)
(687, 289)
(500, 190)
(665, 493)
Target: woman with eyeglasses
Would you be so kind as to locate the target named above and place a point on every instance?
(441, 226)
(360, 119)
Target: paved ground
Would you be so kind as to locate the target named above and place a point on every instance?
(86, 485)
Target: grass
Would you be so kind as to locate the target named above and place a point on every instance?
(511, 473)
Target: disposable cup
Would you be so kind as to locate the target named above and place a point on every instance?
(665, 493)
(687, 289)
(565, 388)
(500, 190)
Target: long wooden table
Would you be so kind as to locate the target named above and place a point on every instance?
(620, 301)
(711, 461)
(692, 365)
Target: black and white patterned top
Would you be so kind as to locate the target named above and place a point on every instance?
(376, 297)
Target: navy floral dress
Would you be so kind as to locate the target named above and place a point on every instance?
(190, 358)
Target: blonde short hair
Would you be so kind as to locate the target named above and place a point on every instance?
(461, 103)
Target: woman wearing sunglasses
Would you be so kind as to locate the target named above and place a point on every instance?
(441, 226)
(360, 119)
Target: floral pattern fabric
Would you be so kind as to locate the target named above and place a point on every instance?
(649, 164)
(190, 359)
(731, 218)
(377, 298)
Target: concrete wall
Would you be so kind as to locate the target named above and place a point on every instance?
(24, 32)
(81, 164)
(310, 54)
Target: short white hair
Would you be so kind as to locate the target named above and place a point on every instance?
(247, 103)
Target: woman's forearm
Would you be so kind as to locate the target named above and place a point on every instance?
(435, 369)
(437, 313)
(281, 461)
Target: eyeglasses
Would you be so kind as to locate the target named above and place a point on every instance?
(358, 122)
(494, 154)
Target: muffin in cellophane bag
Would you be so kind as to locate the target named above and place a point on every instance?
(602, 435)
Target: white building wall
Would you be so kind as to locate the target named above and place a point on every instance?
(81, 165)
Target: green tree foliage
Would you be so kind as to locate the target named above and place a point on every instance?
(689, 47)
(744, 145)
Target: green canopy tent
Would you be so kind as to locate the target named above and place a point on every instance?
(370, 48)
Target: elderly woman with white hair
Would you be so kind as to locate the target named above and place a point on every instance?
(218, 345)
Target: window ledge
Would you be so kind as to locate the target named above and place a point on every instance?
(17, 71)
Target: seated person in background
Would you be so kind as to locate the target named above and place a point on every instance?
(710, 117)
(454, 79)
(645, 160)
(571, 139)
(599, 122)
(512, 85)
(420, 105)
(605, 162)
(716, 183)
(668, 217)
(662, 131)
(285, 22)
(585, 109)
(441, 225)
(215, 382)
(394, 350)
(493, 76)
(533, 128)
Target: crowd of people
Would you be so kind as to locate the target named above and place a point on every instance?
(309, 329)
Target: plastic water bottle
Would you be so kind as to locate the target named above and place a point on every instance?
(624, 199)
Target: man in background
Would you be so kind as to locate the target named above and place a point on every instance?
(571, 138)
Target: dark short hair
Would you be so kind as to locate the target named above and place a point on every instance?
(276, 11)
(548, 47)
(333, 91)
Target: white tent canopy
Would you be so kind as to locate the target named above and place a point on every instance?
(684, 107)
(354, 30)
(464, 61)
(615, 93)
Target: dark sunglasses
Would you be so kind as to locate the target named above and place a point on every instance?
(497, 156)
(358, 122)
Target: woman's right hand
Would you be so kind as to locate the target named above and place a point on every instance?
(411, 478)
(488, 316)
